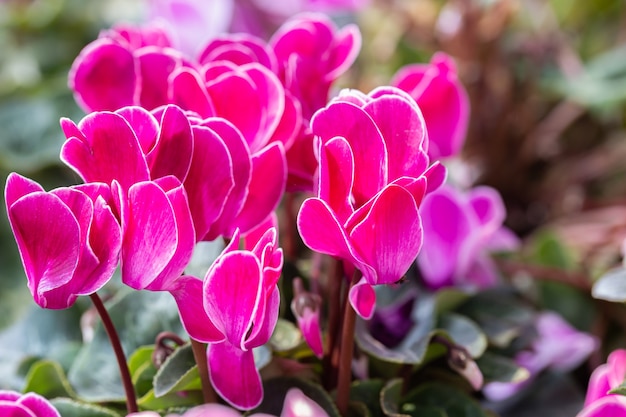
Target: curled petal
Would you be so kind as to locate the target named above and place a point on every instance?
(187, 90)
(155, 64)
(187, 291)
(390, 236)
(363, 299)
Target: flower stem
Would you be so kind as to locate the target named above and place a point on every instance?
(131, 400)
(347, 350)
(334, 317)
(199, 354)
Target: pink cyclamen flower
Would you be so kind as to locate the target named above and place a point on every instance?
(558, 346)
(306, 307)
(373, 174)
(442, 99)
(234, 309)
(68, 238)
(599, 402)
(460, 229)
(15, 404)
(226, 186)
(125, 66)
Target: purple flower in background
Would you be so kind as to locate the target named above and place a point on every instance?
(442, 99)
(68, 238)
(234, 309)
(558, 346)
(15, 404)
(460, 229)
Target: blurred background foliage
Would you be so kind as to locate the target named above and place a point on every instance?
(547, 82)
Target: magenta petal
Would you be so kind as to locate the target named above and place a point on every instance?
(150, 235)
(155, 65)
(446, 226)
(242, 172)
(436, 176)
(321, 231)
(17, 187)
(234, 375)
(610, 406)
(265, 320)
(174, 146)
(299, 405)
(143, 124)
(110, 151)
(49, 258)
(336, 175)
(267, 186)
(309, 324)
(210, 179)
(363, 299)
(232, 290)
(357, 127)
(103, 76)
(187, 291)
(390, 236)
(404, 131)
(187, 90)
(346, 49)
(489, 208)
(290, 122)
(38, 405)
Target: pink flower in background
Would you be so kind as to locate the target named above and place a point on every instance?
(460, 229)
(235, 310)
(599, 402)
(68, 238)
(558, 346)
(240, 49)
(373, 174)
(442, 99)
(15, 404)
(125, 66)
(306, 307)
(191, 23)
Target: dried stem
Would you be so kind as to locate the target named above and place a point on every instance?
(347, 351)
(199, 354)
(129, 389)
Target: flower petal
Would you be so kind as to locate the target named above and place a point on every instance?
(174, 146)
(234, 375)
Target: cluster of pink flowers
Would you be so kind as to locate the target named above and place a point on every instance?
(178, 149)
(600, 402)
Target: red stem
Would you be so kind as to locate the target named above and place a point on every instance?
(199, 354)
(129, 389)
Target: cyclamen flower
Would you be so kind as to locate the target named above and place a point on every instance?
(558, 346)
(69, 240)
(234, 309)
(599, 402)
(15, 404)
(226, 186)
(373, 174)
(125, 66)
(460, 229)
(442, 99)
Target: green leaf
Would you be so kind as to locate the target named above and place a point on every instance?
(171, 400)
(497, 368)
(549, 251)
(368, 393)
(445, 397)
(390, 398)
(71, 408)
(48, 379)
(275, 390)
(464, 332)
(41, 334)
(286, 336)
(139, 316)
(611, 286)
(179, 372)
(142, 369)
